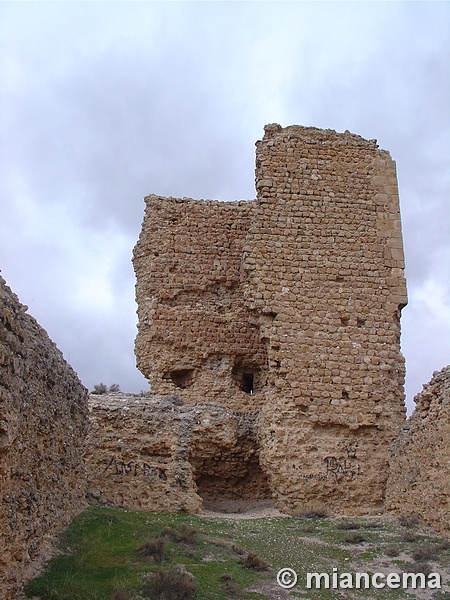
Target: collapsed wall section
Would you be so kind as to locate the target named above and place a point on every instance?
(154, 453)
(324, 262)
(194, 335)
(419, 479)
(43, 422)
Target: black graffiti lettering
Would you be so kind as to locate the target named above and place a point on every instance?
(348, 468)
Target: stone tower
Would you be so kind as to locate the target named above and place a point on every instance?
(287, 308)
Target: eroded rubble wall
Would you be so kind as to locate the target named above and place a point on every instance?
(43, 422)
(158, 454)
(287, 307)
(419, 480)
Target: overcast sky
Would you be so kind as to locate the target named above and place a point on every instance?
(103, 103)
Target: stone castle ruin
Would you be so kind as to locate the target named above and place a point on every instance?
(269, 331)
(285, 311)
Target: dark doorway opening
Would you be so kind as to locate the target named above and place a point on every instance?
(247, 384)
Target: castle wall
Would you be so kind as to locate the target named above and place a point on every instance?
(194, 335)
(324, 262)
(153, 453)
(419, 480)
(43, 421)
(296, 298)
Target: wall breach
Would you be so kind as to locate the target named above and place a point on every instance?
(287, 308)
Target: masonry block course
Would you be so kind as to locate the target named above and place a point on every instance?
(287, 307)
(43, 423)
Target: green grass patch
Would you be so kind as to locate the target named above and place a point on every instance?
(114, 554)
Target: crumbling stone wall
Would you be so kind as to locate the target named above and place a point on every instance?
(287, 307)
(195, 337)
(419, 479)
(154, 453)
(43, 421)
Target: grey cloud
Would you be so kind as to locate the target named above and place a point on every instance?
(104, 103)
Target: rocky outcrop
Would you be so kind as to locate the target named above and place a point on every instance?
(43, 422)
(287, 308)
(419, 480)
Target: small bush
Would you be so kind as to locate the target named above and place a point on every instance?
(409, 520)
(374, 525)
(354, 538)
(233, 590)
(153, 549)
(100, 388)
(392, 551)
(428, 552)
(311, 513)
(421, 567)
(254, 562)
(237, 550)
(308, 528)
(348, 525)
(168, 585)
(115, 387)
(409, 536)
(184, 534)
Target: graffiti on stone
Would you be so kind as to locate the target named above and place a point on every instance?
(134, 468)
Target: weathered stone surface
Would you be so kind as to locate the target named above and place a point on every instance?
(43, 421)
(153, 453)
(419, 480)
(195, 337)
(287, 308)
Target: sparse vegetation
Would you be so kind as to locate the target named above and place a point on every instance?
(113, 554)
(409, 521)
(315, 511)
(153, 549)
(184, 534)
(168, 585)
(348, 525)
(254, 562)
(354, 538)
(100, 388)
(409, 536)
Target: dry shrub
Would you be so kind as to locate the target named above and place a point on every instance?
(427, 552)
(392, 551)
(409, 536)
(409, 520)
(184, 534)
(237, 550)
(313, 511)
(354, 538)
(169, 585)
(153, 549)
(254, 562)
(421, 567)
(348, 525)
